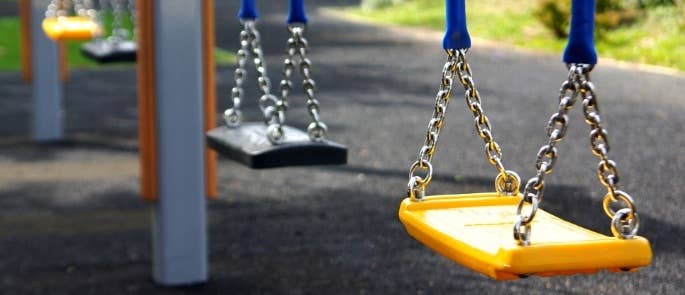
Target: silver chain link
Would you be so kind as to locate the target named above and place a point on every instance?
(625, 222)
(80, 8)
(53, 9)
(272, 108)
(507, 182)
(297, 55)
(118, 32)
(100, 16)
(63, 8)
(133, 18)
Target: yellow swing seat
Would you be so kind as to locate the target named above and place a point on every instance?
(70, 28)
(475, 230)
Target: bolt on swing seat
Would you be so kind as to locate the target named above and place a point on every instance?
(475, 230)
(117, 48)
(274, 144)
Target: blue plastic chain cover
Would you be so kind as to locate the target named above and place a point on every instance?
(456, 35)
(297, 13)
(248, 10)
(581, 43)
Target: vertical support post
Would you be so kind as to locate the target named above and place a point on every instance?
(172, 38)
(47, 89)
(210, 93)
(146, 101)
(26, 44)
(63, 61)
(25, 33)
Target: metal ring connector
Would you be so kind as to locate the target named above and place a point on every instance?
(424, 165)
(618, 196)
(508, 183)
(275, 134)
(416, 191)
(232, 118)
(623, 225)
(534, 203)
(522, 232)
(317, 131)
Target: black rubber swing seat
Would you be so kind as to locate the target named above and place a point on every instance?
(103, 51)
(248, 145)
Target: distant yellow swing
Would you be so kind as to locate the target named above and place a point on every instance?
(475, 230)
(58, 25)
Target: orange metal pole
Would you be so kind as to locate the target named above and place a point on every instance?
(146, 102)
(63, 62)
(25, 33)
(210, 95)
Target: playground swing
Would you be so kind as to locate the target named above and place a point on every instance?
(475, 230)
(59, 25)
(120, 46)
(272, 143)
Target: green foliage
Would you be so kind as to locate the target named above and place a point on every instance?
(9, 44)
(554, 14)
(654, 3)
(611, 14)
(376, 4)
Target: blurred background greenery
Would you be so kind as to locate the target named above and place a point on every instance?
(644, 31)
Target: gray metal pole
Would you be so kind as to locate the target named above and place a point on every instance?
(48, 115)
(179, 216)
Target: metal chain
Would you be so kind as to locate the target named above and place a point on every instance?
(547, 156)
(507, 182)
(233, 116)
(417, 184)
(133, 18)
(80, 8)
(64, 7)
(53, 8)
(99, 17)
(625, 221)
(90, 11)
(272, 108)
(118, 33)
(297, 55)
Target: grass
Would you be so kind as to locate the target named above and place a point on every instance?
(10, 49)
(658, 38)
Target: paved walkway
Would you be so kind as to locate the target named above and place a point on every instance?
(71, 220)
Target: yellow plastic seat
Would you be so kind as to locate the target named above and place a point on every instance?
(475, 230)
(70, 28)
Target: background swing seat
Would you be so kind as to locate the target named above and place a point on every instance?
(248, 144)
(105, 51)
(70, 28)
(476, 230)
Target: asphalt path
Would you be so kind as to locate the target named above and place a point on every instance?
(71, 219)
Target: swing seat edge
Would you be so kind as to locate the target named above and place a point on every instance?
(506, 260)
